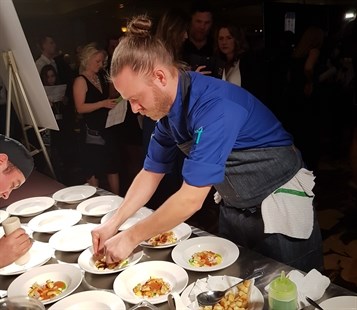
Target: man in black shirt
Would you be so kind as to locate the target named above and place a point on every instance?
(198, 48)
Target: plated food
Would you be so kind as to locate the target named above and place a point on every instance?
(47, 290)
(244, 297)
(90, 300)
(101, 264)
(153, 287)
(99, 206)
(92, 264)
(56, 220)
(30, 206)
(168, 274)
(205, 254)
(74, 194)
(169, 238)
(205, 259)
(71, 275)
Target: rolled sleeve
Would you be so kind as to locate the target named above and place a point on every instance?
(157, 167)
(201, 173)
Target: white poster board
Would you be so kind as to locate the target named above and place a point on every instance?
(12, 38)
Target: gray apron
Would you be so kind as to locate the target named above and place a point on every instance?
(252, 175)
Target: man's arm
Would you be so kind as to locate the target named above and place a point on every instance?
(176, 209)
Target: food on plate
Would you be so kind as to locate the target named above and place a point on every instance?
(46, 291)
(101, 264)
(205, 259)
(162, 239)
(235, 299)
(153, 287)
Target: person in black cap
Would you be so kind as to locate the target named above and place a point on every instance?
(16, 164)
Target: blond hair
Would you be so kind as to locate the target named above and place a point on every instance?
(139, 49)
(87, 52)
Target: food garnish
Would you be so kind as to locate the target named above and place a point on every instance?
(153, 287)
(205, 259)
(101, 264)
(46, 291)
(237, 298)
(162, 239)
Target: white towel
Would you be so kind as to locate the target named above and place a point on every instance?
(288, 210)
(312, 285)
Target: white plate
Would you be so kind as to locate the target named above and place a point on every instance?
(86, 262)
(73, 239)
(69, 274)
(98, 206)
(74, 194)
(174, 275)
(340, 303)
(3, 215)
(182, 232)
(136, 217)
(185, 249)
(102, 300)
(30, 206)
(256, 301)
(40, 253)
(56, 220)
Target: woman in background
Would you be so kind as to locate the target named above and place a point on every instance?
(240, 65)
(91, 98)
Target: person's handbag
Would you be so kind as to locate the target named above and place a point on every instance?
(94, 137)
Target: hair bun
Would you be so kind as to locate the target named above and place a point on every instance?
(140, 26)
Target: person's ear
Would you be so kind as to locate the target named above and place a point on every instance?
(3, 160)
(160, 76)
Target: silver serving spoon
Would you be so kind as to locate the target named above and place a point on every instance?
(210, 298)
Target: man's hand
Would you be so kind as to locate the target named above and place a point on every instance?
(100, 235)
(13, 246)
(119, 247)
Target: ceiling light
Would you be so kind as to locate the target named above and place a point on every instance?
(350, 15)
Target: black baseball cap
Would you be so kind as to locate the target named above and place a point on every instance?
(18, 155)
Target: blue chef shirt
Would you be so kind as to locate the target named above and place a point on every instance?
(221, 117)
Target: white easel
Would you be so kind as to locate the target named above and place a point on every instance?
(16, 87)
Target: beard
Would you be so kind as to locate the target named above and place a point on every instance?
(162, 104)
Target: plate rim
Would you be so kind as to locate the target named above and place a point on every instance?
(36, 218)
(88, 294)
(80, 207)
(185, 237)
(6, 215)
(177, 248)
(80, 257)
(9, 208)
(92, 189)
(150, 211)
(140, 265)
(64, 231)
(71, 270)
(218, 276)
(323, 303)
(44, 245)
